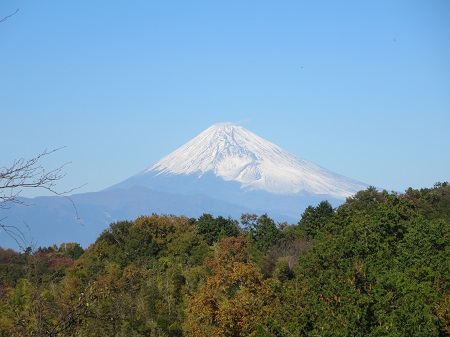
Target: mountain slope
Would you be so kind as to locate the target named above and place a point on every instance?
(235, 154)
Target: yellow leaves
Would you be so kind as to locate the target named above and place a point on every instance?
(101, 249)
(335, 300)
(71, 287)
(230, 302)
(175, 234)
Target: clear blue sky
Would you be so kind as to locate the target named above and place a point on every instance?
(359, 87)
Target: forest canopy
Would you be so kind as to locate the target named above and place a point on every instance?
(378, 265)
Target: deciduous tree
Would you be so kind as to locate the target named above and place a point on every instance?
(27, 174)
(231, 302)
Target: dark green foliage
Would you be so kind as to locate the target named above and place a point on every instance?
(265, 233)
(434, 202)
(248, 221)
(380, 268)
(72, 250)
(12, 268)
(315, 218)
(214, 229)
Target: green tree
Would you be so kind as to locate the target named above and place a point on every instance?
(378, 268)
(314, 219)
(71, 249)
(214, 229)
(265, 233)
(248, 221)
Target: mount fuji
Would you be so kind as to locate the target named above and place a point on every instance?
(233, 154)
(225, 170)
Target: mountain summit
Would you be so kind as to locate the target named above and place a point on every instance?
(234, 154)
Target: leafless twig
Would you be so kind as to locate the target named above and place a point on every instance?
(7, 17)
(26, 174)
(18, 236)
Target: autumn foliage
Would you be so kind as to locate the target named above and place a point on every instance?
(378, 265)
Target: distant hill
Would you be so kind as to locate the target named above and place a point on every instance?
(226, 170)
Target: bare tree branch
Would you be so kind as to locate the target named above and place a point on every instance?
(18, 236)
(29, 174)
(7, 17)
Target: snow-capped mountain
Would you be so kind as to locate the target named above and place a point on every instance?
(235, 154)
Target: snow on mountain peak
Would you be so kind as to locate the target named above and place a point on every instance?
(233, 153)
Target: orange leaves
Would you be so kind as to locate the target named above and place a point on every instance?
(232, 249)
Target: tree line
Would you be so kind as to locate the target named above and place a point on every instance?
(378, 265)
